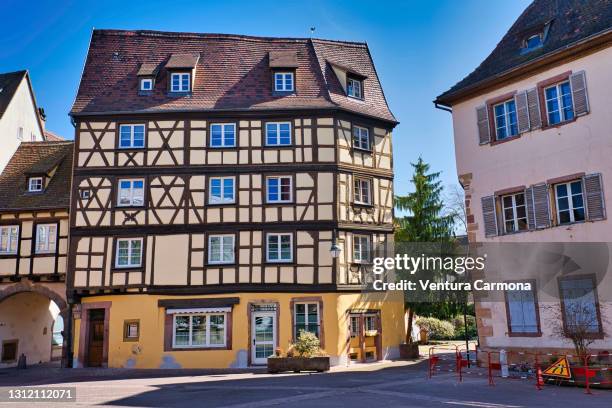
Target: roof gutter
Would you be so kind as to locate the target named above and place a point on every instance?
(440, 106)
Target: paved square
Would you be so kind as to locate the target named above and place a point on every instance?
(396, 384)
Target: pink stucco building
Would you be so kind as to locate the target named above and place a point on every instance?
(533, 143)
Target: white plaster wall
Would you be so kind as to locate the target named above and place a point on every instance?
(584, 145)
(21, 112)
(25, 316)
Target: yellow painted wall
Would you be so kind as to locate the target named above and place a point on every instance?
(148, 351)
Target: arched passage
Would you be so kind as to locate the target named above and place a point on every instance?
(28, 313)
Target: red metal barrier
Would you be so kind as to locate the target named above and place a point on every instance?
(434, 360)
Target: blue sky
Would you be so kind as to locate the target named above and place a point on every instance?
(420, 49)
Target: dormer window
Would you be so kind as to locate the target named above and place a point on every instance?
(146, 84)
(283, 81)
(533, 41)
(35, 184)
(354, 88)
(180, 82)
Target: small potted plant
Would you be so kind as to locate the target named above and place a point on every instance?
(304, 355)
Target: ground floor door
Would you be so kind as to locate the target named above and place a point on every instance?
(264, 332)
(95, 341)
(366, 337)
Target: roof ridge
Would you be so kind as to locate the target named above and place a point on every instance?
(19, 71)
(47, 142)
(231, 36)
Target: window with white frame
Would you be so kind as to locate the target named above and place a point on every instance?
(221, 249)
(363, 191)
(283, 81)
(46, 238)
(522, 311)
(131, 136)
(580, 305)
(361, 248)
(128, 253)
(9, 238)
(306, 318)
(559, 103)
(199, 330)
(35, 184)
(278, 189)
(355, 326)
(222, 190)
(20, 133)
(361, 138)
(279, 247)
(146, 84)
(354, 88)
(505, 120)
(369, 323)
(223, 135)
(514, 212)
(180, 82)
(278, 134)
(570, 202)
(130, 193)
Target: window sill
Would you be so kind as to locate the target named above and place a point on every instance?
(283, 93)
(507, 139)
(178, 94)
(129, 207)
(199, 348)
(126, 268)
(131, 148)
(278, 203)
(355, 98)
(538, 334)
(228, 204)
(557, 125)
(289, 146)
(131, 339)
(362, 205)
(221, 263)
(362, 150)
(223, 147)
(280, 262)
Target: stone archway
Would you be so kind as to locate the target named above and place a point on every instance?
(21, 331)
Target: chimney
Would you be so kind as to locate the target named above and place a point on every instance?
(43, 119)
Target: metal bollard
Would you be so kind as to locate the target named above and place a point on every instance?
(503, 361)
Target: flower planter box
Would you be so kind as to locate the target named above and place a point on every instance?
(371, 333)
(409, 350)
(297, 364)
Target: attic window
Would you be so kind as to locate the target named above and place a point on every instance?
(146, 84)
(533, 42)
(283, 81)
(180, 82)
(354, 87)
(35, 184)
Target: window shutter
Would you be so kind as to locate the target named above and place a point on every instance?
(533, 105)
(579, 93)
(522, 111)
(482, 117)
(541, 207)
(530, 208)
(596, 209)
(489, 216)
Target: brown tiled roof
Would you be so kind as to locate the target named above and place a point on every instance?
(9, 82)
(182, 61)
(147, 68)
(570, 22)
(37, 158)
(232, 73)
(52, 137)
(283, 59)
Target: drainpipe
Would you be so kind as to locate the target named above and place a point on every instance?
(68, 359)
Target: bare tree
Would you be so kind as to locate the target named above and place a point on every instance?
(455, 205)
(580, 323)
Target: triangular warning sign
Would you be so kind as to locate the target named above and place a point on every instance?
(559, 368)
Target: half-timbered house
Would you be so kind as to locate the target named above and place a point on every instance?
(228, 192)
(34, 202)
